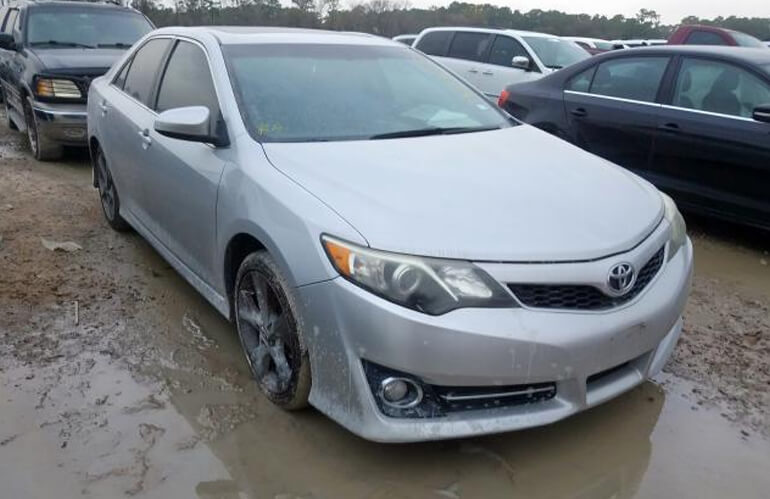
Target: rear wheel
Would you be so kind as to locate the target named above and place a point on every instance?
(108, 194)
(42, 148)
(271, 332)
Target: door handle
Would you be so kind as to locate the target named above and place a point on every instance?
(579, 112)
(146, 140)
(473, 70)
(669, 127)
(488, 73)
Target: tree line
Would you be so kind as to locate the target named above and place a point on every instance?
(394, 17)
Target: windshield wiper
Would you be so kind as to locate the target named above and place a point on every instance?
(119, 45)
(63, 44)
(423, 132)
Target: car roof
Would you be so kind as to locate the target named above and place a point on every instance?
(750, 55)
(237, 35)
(491, 31)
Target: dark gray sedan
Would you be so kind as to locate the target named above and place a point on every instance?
(695, 121)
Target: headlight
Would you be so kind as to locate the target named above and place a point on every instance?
(678, 227)
(58, 88)
(428, 285)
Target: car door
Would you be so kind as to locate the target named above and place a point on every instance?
(124, 113)
(467, 51)
(710, 153)
(612, 109)
(498, 71)
(181, 178)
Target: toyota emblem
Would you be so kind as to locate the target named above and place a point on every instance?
(621, 278)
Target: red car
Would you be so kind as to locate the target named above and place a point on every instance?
(711, 35)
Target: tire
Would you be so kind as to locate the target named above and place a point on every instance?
(43, 149)
(108, 193)
(271, 332)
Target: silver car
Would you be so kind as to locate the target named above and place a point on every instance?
(394, 250)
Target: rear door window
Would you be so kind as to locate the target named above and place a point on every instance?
(634, 78)
(435, 42)
(704, 38)
(470, 46)
(504, 49)
(718, 87)
(144, 69)
(582, 81)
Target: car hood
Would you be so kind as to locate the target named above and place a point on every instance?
(516, 194)
(72, 59)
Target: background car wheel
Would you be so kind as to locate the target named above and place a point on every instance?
(42, 148)
(108, 194)
(8, 120)
(271, 332)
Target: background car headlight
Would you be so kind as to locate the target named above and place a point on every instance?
(58, 88)
(678, 226)
(432, 286)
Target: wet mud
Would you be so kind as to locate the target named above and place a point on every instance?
(118, 380)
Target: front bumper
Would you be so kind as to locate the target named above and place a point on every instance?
(345, 325)
(62, 123)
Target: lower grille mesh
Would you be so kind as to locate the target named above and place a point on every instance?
(583, 297)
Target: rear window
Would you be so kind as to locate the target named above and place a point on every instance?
(435, 42)
(704, 38)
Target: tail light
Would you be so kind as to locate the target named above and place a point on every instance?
(504, 95)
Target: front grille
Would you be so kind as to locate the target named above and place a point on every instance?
(458, 399)
(583, 297)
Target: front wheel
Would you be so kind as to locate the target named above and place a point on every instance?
(43, 148)
(271, 332)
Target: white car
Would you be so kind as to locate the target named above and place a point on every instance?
(491, 59)
(405, 39)
(595, 44)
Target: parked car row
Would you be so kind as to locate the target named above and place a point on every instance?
(354, 208)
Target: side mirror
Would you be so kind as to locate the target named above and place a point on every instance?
(521, 62)
(6, 41)
(762, 113)
(187, 123)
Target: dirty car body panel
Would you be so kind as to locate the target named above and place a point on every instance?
(548, 231)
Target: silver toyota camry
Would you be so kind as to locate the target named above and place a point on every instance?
(393, 249)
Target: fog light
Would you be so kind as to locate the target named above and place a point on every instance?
(400, 392)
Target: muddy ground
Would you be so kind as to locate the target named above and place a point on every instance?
(117, 379)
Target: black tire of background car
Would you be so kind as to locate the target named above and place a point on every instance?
(42, 148)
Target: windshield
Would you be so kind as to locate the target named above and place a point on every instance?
(305, 93)
(556, 53)
(85, 27)
(745, 40)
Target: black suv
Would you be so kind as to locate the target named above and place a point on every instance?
(49, 53)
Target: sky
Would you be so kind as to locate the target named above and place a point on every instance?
(672, 11)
